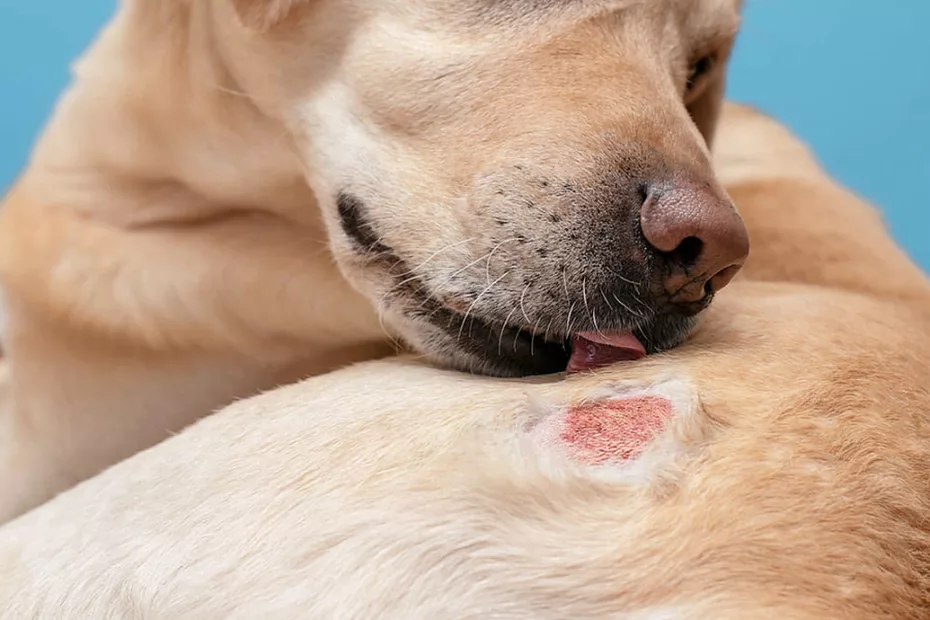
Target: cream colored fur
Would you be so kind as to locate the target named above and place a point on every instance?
(791, 483)
(174, 244)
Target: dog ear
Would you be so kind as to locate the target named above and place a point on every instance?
(705, 109)
(262, 15)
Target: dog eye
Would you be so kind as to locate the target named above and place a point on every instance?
(699, 69)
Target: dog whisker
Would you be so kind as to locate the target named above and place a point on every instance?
(533, 337)
(548, 327)
(621, 277)
(396, 287)
(487, 270)
(500, 338)
(626, 307)
(584, 296)
(477, 299)
(571, 308)
(442, 284)
(522, 307)
(568, 319)
(516, 337)
(646, 338)
(416, 269)
(394, 341)
(281, 135)
(635, 293)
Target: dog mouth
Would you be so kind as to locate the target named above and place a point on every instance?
(447, 332)
(487, 347)
(481, 344)
(523, 351)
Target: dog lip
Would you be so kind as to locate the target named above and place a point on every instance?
(527, 330)
(506, 348)
(495, 347)
(356, 224)
(583, 351)
(512, 350)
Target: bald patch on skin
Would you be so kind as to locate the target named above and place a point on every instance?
(599, 432)
(634, 434)
(604, 431)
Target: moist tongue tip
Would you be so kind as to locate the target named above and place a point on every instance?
(591, 351)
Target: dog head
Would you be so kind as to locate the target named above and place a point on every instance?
(505, 177)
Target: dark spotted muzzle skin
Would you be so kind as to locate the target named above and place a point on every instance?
(565, 256)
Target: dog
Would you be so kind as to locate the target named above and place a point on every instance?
(774, 466)
(237, 194)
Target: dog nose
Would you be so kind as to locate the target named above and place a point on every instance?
(699, 235)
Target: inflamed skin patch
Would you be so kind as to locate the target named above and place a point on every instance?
(617, 429)
(633, 428)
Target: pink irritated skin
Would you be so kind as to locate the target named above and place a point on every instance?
(599, 432)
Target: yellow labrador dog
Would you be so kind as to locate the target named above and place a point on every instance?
(775, 466)
(235, 194)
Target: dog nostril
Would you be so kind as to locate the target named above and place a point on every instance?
(699, 236)
(720, 279)
(687, 253)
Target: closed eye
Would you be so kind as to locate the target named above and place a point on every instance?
(700, 68)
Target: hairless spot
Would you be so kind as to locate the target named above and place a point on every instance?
(614, 430)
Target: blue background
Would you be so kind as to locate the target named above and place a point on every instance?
(852, 78)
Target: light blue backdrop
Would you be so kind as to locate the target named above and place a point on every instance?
(852, 78)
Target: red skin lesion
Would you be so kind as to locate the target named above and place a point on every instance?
(613, 430)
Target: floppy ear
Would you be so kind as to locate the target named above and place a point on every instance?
(706, 108)
(262, 15)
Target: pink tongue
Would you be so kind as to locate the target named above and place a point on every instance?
(591, 350)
